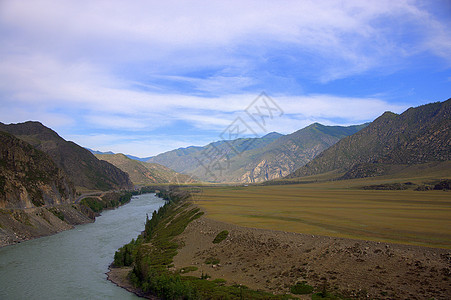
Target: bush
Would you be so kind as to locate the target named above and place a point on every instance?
(301, 288)
(212, 261)
(220, 237)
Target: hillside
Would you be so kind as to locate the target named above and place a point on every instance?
(142, 173)
(29, 177)
(193, 160)
(419, 135)
(80, 165)
(287, 153)
(255, 160)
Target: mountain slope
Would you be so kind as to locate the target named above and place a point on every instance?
(143, 172)
(80, 165)
(289, 152)
(419, 135)
(255, 160)
(189, 160)
(29, 177)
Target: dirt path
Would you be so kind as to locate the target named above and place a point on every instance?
(274, 261)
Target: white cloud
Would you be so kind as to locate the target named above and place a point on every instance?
(351, 36)
(116, 65)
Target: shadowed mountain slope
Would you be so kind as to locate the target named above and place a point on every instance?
(418, 135)
(80, 165)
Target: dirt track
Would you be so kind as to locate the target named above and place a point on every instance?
(273, 261)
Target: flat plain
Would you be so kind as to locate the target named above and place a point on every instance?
(336, 209)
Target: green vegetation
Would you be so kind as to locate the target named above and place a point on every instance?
(220, 237)
(212, 261)
(151, 256)
(57, 213)
(109, 200)
(301, 288)
(95, 204)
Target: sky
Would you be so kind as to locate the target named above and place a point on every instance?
(144, 77)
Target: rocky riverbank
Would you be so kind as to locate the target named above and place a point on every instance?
(18, 225)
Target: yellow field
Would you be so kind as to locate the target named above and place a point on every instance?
(409, 217)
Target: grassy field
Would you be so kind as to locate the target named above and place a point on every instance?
(338, 209)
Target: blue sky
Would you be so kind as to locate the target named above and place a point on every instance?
(145, 77)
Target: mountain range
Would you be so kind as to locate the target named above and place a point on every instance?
(254, 159)
(417, 136)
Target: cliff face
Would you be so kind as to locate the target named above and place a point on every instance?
(419, 135)
(29, 177)
(80, 165)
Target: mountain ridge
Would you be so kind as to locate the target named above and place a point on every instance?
(418, 135)
(143, 173)
(80, 165)
(254, 160)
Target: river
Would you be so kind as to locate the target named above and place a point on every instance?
(72, 264)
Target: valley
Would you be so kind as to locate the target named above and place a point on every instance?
(225, 150)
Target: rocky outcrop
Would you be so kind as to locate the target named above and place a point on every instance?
(29, 177)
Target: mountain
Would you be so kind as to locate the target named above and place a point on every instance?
(143, 159)
(288, 153)
(255, 160)
(98, 152)
(111, 152)
(29, 177)
(194, 160)
(418, 135)
(80, 165)
(143, 173)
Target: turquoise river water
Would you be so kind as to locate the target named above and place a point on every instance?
(72, 264)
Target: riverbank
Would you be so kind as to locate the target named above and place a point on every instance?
(120, 277)
(19, 225)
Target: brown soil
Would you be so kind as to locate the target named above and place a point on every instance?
(274, 261)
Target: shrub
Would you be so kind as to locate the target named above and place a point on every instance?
(220, 237)
(301, 288)
(212, 261)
